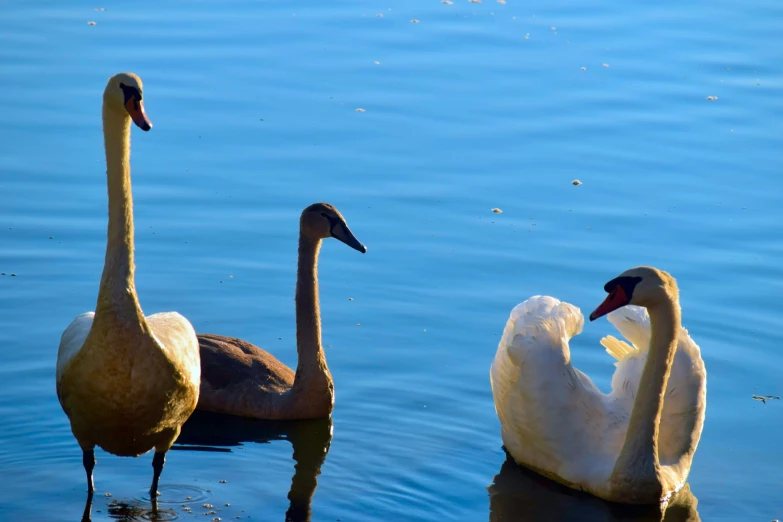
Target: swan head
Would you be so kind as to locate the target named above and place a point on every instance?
(123, 94)
(641, 286)
(322, 220)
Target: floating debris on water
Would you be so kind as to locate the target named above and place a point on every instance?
(207, 506)
(350, 298)
(414, 21)
(90, 23)
(606, 65)
(712, 98)
(360, 110)
(497, 210)
(576, 182)
(502, 2)
(584, 68)
(223, 481)
(474, 1)
(100, 8)
(377, 62)
(447, 2)
(107, 494)
(765, 398)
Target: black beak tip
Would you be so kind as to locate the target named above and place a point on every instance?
(361, 248)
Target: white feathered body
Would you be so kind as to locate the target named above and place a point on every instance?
(557, 422)
(124, 391)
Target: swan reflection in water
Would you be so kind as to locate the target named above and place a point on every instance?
(206, 431)
(520, 495)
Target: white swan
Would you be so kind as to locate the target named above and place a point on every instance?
(126, 382)
(634, 445)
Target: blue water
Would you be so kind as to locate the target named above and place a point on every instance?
(474, 107)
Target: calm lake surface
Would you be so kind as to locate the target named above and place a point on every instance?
(472, 107)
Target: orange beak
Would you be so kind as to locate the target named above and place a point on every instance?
(135, 109)
(616, 299)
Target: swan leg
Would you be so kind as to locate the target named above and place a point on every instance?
(88, 459)
(157, 466)
(86, 514)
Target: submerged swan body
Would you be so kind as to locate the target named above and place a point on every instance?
(634, 445)
(127, 382)
(238, 378)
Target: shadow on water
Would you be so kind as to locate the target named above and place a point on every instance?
(310, 440)
(518, 494)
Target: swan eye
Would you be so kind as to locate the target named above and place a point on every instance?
(130, 93)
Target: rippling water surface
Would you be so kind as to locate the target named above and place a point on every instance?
(473, 106)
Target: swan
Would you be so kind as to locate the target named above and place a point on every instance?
(239, 378)
(126, 382)
(634, 445)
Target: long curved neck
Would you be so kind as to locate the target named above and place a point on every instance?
(638, 459)
(312, 382)
(117, 294)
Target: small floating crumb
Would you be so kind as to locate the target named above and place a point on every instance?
(186, 509)
(377, 62)
(51, 237)
(474, 1)
(712, 98)
(216, 519)
(502, 2)
(414, 21)
(207, 506)
(107, 494)
(606, 65)
(447, 2)
(584, 68)
(227, 504)
(223, 481)
(576, 182)
(350, 298)
(497, 210)
(100, 8)
(90, 23)
(527, 36)
(379, 15)
(14, 275)
(554, 28)
(358, 324)
(360, 110)
(188, 498)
